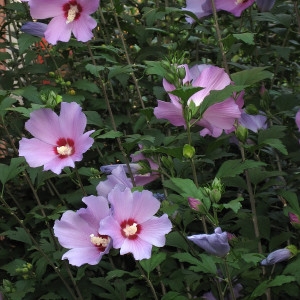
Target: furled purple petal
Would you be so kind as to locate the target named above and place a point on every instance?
(34, 28)
(253, 122)
(276, 256)
(107, 169)
(170, 111)
(265, 5)
(298, 119)
(36, 152)
(144, 206)
(117, 178)
(236, 7)
(216, 243)
(155, 229)
(58, 30)
(44, 125)
(44, 9)
(82, 28)
(208, 296)
(199, 8)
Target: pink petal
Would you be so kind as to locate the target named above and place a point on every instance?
(298, 120)
(199, 8)
(139, 248)
(122, 204)
(73, 232)
(80, 256)
(143, 179)
(154, 230)
(232, 6)
(72, 120)
(97, 209)
(36, 152)
(169, 111)
(89, 6)
(44, 125)
(82, 144)
(44, 9)
(144, 206)
(82, 28)
(109, 226)
(58, 30)
(57, 164)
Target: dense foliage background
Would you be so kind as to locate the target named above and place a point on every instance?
(117, 79)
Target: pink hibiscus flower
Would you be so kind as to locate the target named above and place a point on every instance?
(132, 225)
(58, 141)
(68, 16)
(218, 117)
(79, 231)
(202, 8)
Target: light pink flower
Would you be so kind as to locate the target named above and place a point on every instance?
(202, 8)
(79, 231)
(58, 141)
(298, 120)
(68, 16)
(218, 117)
(132, 225)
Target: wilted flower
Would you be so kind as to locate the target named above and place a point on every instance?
(58, 141)
(79, 231)
(218, 117)
(132, 225)
(34, 28)
(68, 16)
(265, 5)
(279, 255)
(215, 243)
(202, 8)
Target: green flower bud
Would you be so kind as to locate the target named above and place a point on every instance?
(251, 109)
(188, 151)
(181, 72)
(170, 77)
(241, 133)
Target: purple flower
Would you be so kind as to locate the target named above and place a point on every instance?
(215, 243)
(117, 179)
(202, 8)
(277, 256)
(58, 141)
(34, 28)
(265, 5)
(79, 231)
(132, 225)
(253, 122)
(68, 16)
(218, 117)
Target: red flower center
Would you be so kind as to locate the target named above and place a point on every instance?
(100, 241)
(72, 11)
(130, 229)
(64, 148)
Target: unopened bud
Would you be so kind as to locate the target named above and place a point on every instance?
(188, 151)
(251, 109)
(294, 219)
(181, 72)
(241, 133)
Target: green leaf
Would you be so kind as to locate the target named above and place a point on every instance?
(258, 175)
(231, 168)
(175, 239)
(117, 274)
(155, 68)
(4, 56)
(19, 235)
(173, 296)
(252, 258)
(277, 144)
(110, 135)
(251, 76)
(94, 70)
(185, 92)
(26, 40)
(94, 118)
(156, 259)
(11, 171)
(292, 200)
(277, 281)
(117, 70)
(5, 104)
(86, 85)
(234, 205)
(246, 37)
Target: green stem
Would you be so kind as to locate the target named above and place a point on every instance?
(229, 279)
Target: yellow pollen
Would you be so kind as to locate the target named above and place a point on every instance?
(99, 241)
(72, 14)
(130, 229)
(64, 150)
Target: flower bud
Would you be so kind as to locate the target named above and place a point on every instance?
(241, 133)
(188, 151)
(196, 205)
(181, 72)
(294, 219)
(251, 109)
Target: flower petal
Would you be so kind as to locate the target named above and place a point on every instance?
(58, 30)
(44, 9)
(109, 226)
(89, 6)
(82, 28)
(138, 247)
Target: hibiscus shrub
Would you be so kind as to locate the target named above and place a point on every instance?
(149, 149)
